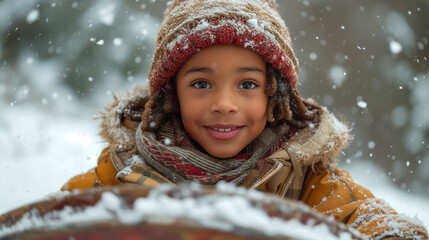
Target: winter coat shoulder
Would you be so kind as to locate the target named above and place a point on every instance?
(303, 168)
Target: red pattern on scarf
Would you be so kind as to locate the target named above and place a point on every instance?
(188, 168)
(197, 173)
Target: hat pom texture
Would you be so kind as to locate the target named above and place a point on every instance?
(192, 25)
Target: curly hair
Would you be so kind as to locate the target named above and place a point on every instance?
(285, 104)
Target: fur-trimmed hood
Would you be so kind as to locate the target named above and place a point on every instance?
(112, 129)
(320, 143)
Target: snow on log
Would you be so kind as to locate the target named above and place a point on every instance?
(184, 212)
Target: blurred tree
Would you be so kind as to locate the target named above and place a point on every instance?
(368, 61)
(91, 47)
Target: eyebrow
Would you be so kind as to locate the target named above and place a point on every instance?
(250, 69)
(200, 69)
(211, 70)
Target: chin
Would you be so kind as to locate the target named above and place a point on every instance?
(223, 154)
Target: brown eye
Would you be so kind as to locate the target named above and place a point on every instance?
(247, 85)
(201, 84)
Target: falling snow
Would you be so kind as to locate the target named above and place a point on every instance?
(337, 75)
(395, 47)
(371, 67)
(32, 15)
(107, 14)
(362, 104)
(371, 144)
(117, 41)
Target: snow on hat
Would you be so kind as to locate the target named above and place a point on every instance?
(192, 25)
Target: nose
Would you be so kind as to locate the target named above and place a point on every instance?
(224, 101)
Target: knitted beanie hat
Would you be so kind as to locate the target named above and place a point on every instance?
(192, 25)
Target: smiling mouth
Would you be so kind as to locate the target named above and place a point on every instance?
(223, 129)
(224, 133)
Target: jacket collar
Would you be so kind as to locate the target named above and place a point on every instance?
(322, 142)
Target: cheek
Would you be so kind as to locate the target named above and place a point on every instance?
(187, 115)
(257, 114)
(192, 120)
(190, 111)
(258, 109)
(261, 116)
(184, 102)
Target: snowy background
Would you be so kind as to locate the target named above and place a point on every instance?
(61, 60)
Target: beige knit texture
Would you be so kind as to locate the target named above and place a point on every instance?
(182, 16)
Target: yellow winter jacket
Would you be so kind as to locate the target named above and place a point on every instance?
(302, 169)
(334, 194)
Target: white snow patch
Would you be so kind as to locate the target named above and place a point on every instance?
(362, 104)
(107, 14)
(313, 56)
(340, 128)
(371, 144)
(395, 47)
(29, 60)
(202, 25)
(135, 159)
(79, 138)
(250, 44)
(32, 16)
(255, 24)
(49, 151)
(337, 75)
(167, 141)
(117, 41)
(218, 211)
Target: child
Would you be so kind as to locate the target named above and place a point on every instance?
(224, 106)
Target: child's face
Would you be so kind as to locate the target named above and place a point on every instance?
(221, 92)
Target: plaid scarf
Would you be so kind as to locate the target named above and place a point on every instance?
(185, 163)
